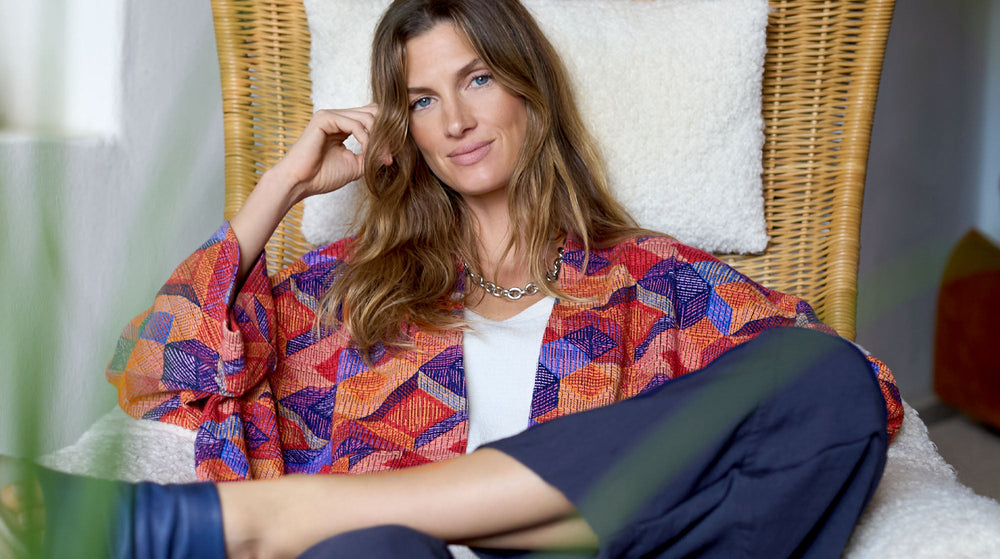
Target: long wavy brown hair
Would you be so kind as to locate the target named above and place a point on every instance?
(415, 230)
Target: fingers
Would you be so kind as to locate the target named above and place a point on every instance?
(319, 162)
(342, 122)
(385, 156)
(358, 122)
(372, 109)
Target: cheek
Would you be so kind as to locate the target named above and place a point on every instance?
(516, 115)
(419, 137)
(517, 123)
(425, 150)
(423, 143)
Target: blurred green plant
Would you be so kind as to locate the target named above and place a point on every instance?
(36, 292)
(35, 252)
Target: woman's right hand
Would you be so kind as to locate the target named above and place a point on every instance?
(319, 162)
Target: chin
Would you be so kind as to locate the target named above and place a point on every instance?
(480, 190)
(479, 186)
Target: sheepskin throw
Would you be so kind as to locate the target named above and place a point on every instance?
(669, 88)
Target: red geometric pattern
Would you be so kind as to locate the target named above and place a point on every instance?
(268, 397)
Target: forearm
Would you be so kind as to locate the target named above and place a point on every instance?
(486, 497)
(260, 215)
(568, 533)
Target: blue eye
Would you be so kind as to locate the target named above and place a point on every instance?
(421, 103)
(482, 80)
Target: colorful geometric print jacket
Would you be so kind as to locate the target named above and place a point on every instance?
(269, 397)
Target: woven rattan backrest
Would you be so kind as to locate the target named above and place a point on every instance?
(820, 82)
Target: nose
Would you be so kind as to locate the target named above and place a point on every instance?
(459, 118)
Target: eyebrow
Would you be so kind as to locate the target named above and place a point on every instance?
(462, 72)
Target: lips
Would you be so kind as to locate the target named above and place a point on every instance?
(470, 154)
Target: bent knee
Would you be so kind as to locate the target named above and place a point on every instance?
(831, 389)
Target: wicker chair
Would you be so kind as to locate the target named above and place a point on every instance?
(821, 79)
(820, 83)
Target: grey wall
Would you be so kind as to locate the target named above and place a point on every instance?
(125, 210)
(932, 155)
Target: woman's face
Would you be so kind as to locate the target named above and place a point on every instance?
(469, 129)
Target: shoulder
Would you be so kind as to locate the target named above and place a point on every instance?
(659, 247)
(659, 255)
(336, 251)
(316, 269)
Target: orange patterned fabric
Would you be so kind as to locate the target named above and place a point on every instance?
(269, 397)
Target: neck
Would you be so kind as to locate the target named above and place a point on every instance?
(493, 231)
(492, 227)
(492, 239)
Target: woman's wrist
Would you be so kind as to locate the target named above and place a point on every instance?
(240, 522)
(281, 189)
(259, 216)
(272, 518)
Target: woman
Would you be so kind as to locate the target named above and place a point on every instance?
(353, 360)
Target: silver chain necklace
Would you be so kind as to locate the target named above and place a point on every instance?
(515, 293)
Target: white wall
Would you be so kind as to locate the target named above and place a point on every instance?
(60, 64)
(125, 209)
(924, 176)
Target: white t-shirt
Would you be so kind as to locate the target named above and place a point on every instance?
(501, 358)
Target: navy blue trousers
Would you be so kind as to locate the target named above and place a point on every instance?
(771, 451)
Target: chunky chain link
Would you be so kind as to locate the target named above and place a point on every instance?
(515, 293)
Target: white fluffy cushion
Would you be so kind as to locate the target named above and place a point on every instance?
(920, 509)
(119, 446)
(670, 89)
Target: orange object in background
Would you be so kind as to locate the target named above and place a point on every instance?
(967, 338)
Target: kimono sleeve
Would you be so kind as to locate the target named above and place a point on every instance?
(203, 339)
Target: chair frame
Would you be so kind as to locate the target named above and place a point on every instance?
(821, 79)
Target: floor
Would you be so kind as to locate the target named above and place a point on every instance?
(972, 448)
